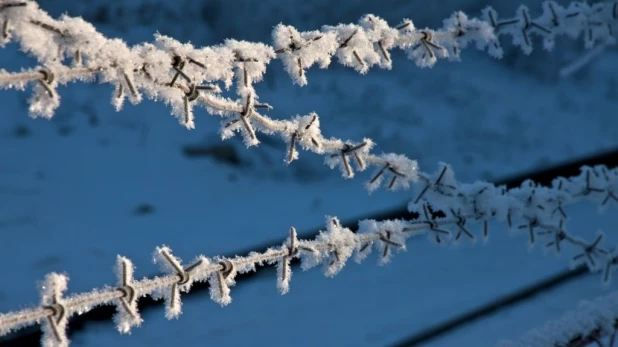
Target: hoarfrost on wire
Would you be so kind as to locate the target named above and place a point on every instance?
(183, 77)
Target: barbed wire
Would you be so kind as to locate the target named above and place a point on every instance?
(331, 248)
(184, 77)
(594, 322)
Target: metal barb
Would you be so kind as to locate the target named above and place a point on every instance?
(127, 290)
(403, 26)
(300, 68)
(193, 93)
(358, 58)
(375, 178)
(5, 30)
(48, 27)
(292, 247)
(591, 250)
(177, 65)
(311, 122)
(384, 51)
(461, 224)
(532, 223)
(184, 275)
(12, 4)
(179, 72)
(58, 314)
(433, 225)
(291, 149)
(129, 84)
(346, 41)
(193, 61)
(46, 81)
(227, 267)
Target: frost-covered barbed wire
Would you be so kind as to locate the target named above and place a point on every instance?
(593, 323)
(582, 61)
(539, 211)
(182, 76)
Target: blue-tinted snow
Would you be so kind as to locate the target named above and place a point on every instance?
(69, 187)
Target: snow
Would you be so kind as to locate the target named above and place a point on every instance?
(92, 183)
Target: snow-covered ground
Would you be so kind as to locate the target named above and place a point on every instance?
(92, 183)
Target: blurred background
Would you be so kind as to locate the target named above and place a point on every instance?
(91, 183)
